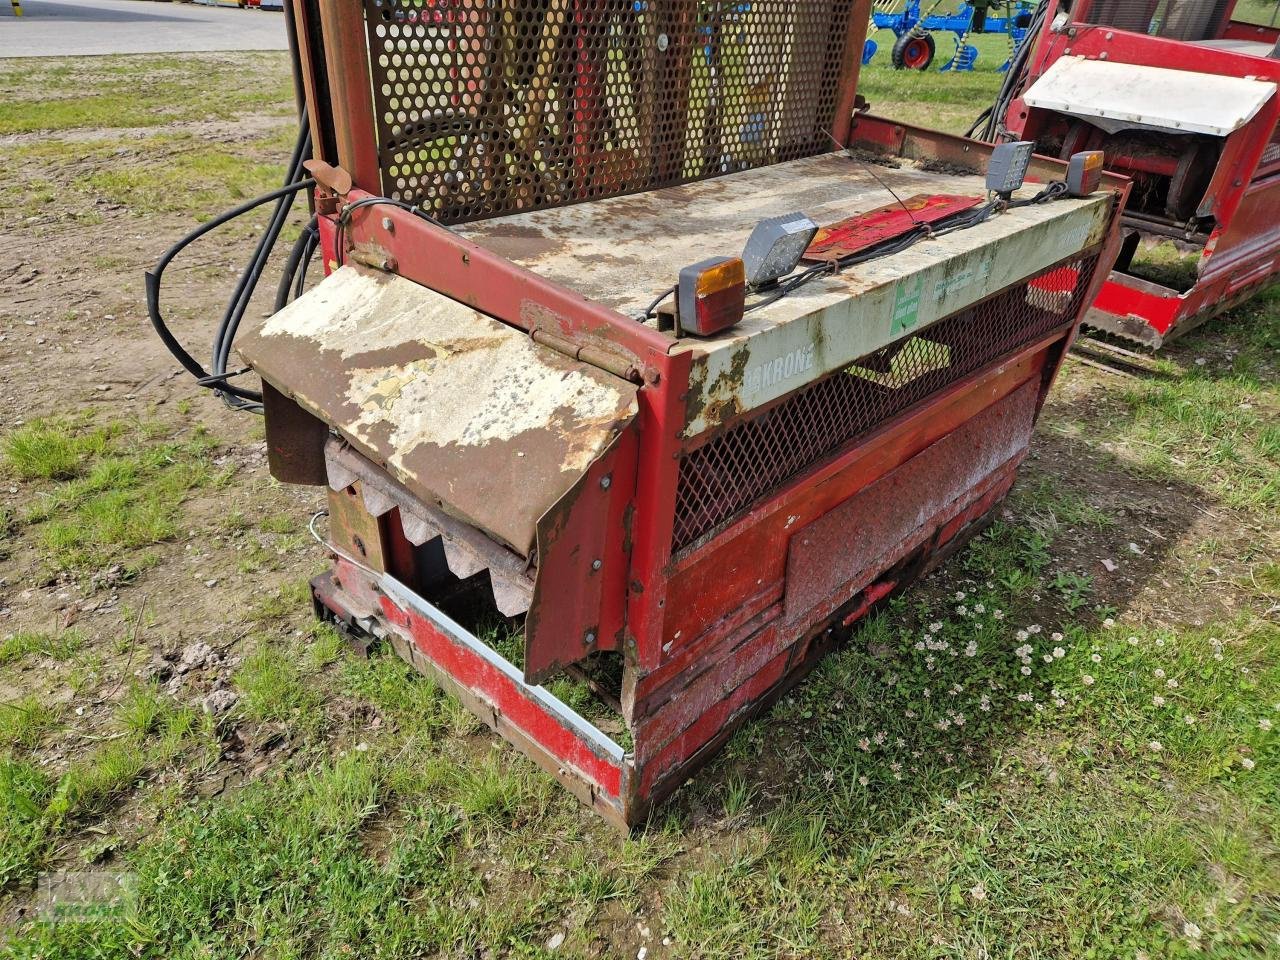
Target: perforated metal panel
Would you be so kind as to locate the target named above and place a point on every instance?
(488, 107)
(726, 476)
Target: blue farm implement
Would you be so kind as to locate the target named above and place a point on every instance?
(915, 45)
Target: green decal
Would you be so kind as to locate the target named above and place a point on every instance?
(906, 307)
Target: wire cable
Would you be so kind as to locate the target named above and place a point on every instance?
(155, 275)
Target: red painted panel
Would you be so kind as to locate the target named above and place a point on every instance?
(866, 230)
(487, 682)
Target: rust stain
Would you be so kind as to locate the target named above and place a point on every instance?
(467, 412)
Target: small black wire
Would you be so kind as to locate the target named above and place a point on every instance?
(649, 312)
(345, 218)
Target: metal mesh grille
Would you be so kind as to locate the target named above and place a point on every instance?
(488, 107)
(724, 477)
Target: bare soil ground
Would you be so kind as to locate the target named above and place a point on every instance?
(1099, 777)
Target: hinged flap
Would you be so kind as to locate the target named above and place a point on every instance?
(468, 413)
(1118, 95)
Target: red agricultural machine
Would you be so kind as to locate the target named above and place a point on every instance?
(1183, 100)
(639, 340)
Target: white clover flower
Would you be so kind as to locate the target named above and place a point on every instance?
(863, 781)
(1096, 658)
(1264, 723)
(1157, 700)
(1247, 763)
(1087, 680)
(1217, 655)
(1171, 684)
(971, 648)
(1047, 658)
(919, 644)
(1159, 642)
(880, 738)
(1026, 671)
(978, 892)
(985, 704)
(960, 595)
(998, 614)
(979, 608)
(959, 720)
(1034, 628)
(864, 744)
(1059, 702)
(962, 610)
(1159, 674)
(1026, 697)
(1108, 623)
(1192, 931)
(1058, 653)
(1133, 641)
(1022, 635)
(1189, 720)
(1155, 746)
(935, 627)
(1055, 637)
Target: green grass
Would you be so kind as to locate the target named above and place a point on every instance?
(63, 94)
(942, 101)
(18, 647)
(117, 489)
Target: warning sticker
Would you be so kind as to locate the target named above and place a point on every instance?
(906, 306)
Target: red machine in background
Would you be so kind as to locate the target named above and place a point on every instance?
(1183, 100)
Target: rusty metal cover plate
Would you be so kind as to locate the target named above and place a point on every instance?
(491, 107)
(845, 550)
(469, 414)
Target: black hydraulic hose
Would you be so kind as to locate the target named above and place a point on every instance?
(992, 118)
(252, 273)
(156, 273)
(302, 250)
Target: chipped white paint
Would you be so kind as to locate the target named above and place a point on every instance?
(482, 382)
(833, 322)
(495, 392)
(463, 410)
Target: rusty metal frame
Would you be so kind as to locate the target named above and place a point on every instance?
(696, 667)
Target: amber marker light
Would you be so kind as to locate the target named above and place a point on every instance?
(1084, 173)
(712, 295)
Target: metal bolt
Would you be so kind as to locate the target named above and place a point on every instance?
(388, 225)
(597, 564)
(590, 638)
(606, 482)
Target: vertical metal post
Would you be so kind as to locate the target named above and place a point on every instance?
(852, 66)
(351, 91)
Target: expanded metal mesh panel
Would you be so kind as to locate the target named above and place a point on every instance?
(489, 107)
(726, 476)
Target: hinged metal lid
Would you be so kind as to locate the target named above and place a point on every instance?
(468, 413)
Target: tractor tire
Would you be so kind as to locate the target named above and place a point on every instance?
(913, 53)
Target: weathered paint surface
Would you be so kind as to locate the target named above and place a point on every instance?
(772, 354)
(621, 252)
(465, 411)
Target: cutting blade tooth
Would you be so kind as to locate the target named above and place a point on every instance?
(417, 530)
(463, 561)
(340, 477)
(375, 501)
(511, 597)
